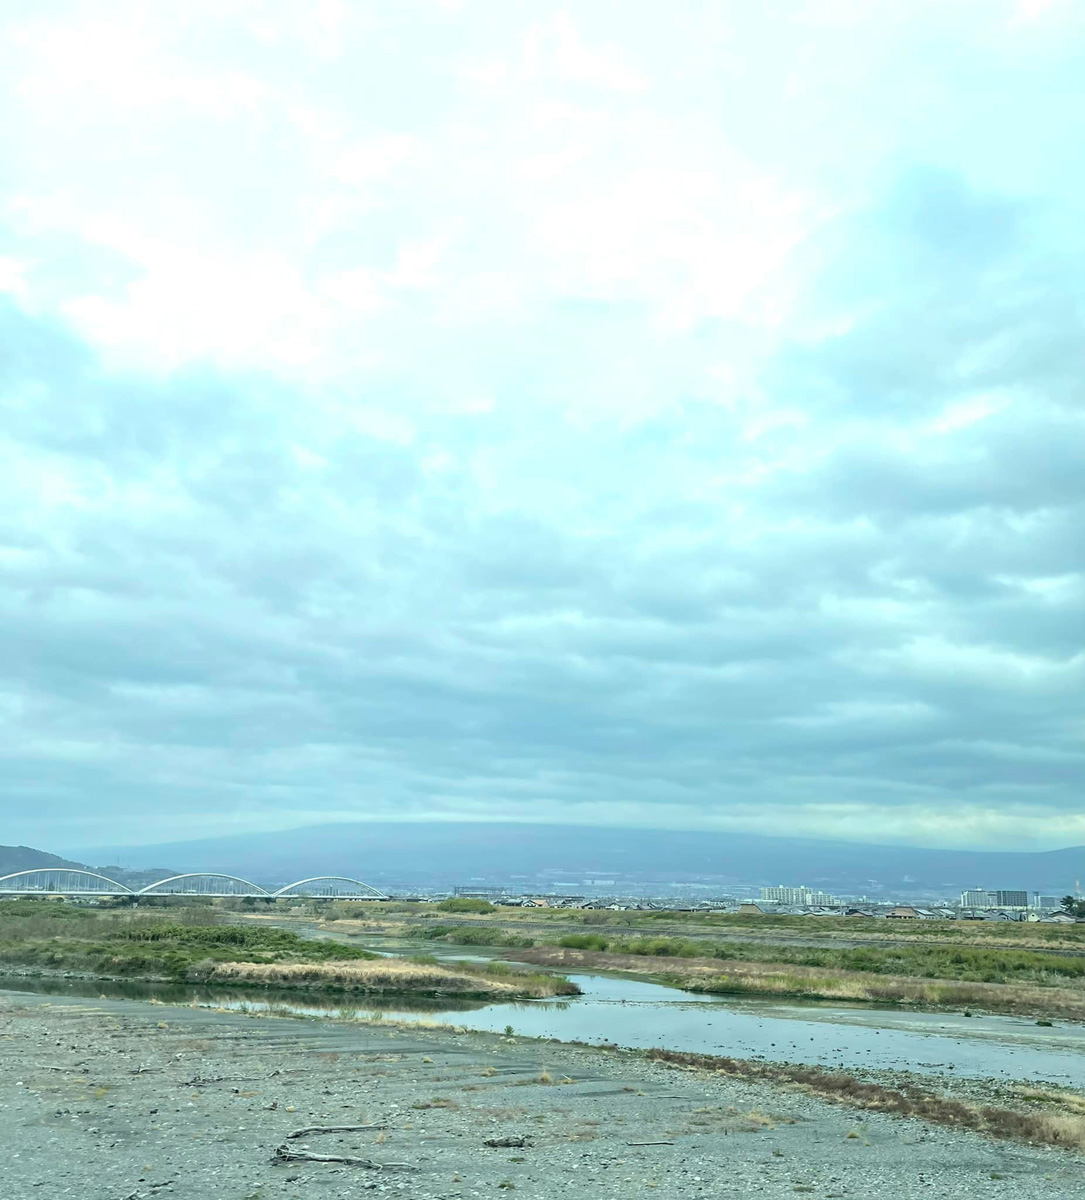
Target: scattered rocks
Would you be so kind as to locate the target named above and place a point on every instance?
(372, 1118)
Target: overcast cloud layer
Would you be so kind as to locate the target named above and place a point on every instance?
(626, 413)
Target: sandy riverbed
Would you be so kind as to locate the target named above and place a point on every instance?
(122, 1100)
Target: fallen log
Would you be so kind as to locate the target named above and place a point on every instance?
(285, 1154)
(332, 1129)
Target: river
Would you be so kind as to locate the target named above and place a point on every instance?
(637, 1013)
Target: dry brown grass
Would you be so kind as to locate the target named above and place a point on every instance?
(1064, 1129)
(391, 975)
(822, 983)
(1067, 1102)
(378, 917)
(730, 1120)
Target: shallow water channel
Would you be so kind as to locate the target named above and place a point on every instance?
(637, 1013)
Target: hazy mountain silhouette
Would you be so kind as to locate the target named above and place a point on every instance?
(445, 853)
(26, 858)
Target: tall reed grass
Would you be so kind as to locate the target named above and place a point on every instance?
(396, 975)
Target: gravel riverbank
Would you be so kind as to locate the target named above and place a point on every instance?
(124, 1100)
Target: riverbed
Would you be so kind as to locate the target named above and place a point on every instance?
(639, 1014)
(110, 1098)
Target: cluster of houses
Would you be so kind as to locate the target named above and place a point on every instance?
(804, 902)
(891, 912)
(904, 912)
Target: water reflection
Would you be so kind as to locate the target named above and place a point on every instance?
(219, 997)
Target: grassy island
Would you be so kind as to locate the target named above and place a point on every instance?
(196, 945)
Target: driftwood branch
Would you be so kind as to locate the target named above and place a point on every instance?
(332, 1129)
(649, 1143)
(285, 1154)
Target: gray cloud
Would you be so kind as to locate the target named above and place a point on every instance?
(228, 598)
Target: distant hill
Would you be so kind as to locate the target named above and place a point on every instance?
(136, 877)
(440, 854)
(25, 858)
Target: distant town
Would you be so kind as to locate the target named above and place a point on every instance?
(976, 904)
(29, 872)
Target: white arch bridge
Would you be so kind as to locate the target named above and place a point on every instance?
(67, 881)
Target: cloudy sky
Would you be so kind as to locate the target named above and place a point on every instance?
(617, 412)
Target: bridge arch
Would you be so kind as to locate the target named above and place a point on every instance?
(152, 888)
(366, 887)
(52, 874)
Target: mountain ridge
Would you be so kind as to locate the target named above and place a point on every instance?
(440, 854)
(26, 858)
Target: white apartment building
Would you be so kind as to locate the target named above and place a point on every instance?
(1001, 898)
(796, 895)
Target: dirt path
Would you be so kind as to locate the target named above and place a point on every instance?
(123, 1100)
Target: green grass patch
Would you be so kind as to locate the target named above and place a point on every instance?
(973, 964)
(465, 904)
(978, 964)
(469, 935)
(141, 944)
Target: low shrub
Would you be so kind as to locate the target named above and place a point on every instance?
(584, 941)
(125, 944)
(465, 904)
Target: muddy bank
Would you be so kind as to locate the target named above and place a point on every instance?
(385, 980)
(117, 1100)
